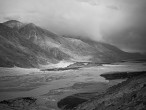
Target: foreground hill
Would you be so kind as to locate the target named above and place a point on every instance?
(28, 45)
(128, 95)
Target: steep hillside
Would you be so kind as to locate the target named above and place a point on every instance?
(17, 51)
(28, 45)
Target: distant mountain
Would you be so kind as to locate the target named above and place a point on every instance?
(28, 45)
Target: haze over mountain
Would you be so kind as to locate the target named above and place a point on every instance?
(28, 45)
(119, 22)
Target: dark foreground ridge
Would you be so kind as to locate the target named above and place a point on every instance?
(128, 95)
(122, 75)
(26, 103)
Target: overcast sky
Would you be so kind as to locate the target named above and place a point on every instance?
(119, 22)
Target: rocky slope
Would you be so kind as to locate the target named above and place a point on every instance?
(27, 103)
(128, 95)
(18, 51)
(28, 45)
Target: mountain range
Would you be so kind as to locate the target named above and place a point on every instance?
(28, 45)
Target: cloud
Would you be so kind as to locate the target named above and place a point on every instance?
(112, 7)
(91, 2)
(110, 21)
(15, 17)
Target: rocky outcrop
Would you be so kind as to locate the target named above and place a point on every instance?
(27, 103)
(24, 103)
(122, 75)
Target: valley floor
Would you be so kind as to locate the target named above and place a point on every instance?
(43, 89)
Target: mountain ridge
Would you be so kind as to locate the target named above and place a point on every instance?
(28, 45)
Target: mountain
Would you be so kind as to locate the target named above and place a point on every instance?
(18, 51)
(28, 45)
(14, 24)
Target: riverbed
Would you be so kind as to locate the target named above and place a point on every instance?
(53, 85)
